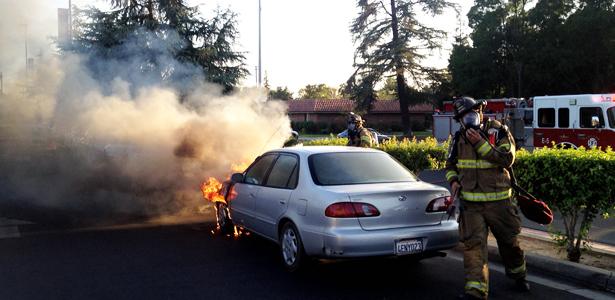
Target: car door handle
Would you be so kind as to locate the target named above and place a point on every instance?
(282, 201)
(581, 135)
(252, 195)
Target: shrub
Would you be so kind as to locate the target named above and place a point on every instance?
(578, 183)
(417, 126)
(330, 141)
(417, 155)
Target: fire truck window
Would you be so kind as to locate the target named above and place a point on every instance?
(256, 173)
(611, 113)
(563, 118)
(546, 117)
(591, 117)
(282, 171)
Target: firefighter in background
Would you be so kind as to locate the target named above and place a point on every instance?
(358, 135)
(293, 140)
(476, 170)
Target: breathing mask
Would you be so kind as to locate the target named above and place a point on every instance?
(471, 120)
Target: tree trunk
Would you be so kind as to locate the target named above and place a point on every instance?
(399, 70)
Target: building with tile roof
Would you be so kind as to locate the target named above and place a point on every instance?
(385, 114)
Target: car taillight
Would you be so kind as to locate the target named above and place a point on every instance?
(351, 210)
(439, 204)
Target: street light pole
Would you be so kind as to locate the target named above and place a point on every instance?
(260, 82)
(70, 21)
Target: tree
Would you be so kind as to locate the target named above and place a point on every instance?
(281, 94)
(392, 41)
(165, 40)
(318, 91)
(389, 90)
(542, 51)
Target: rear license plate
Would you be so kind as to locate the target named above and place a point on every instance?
(408, 246)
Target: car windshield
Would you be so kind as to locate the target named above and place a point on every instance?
(611, 114)
(344, 168)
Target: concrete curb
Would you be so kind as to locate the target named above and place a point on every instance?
(583, 275)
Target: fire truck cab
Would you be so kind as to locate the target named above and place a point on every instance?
(574, 121)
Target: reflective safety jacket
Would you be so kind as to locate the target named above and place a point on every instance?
(362, 139)
(481, 168)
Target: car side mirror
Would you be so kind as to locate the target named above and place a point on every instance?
(236, 178)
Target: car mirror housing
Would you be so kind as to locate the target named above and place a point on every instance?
(237, 177)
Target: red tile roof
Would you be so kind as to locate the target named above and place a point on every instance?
(315, 105)
(392, 106)
(347, 105)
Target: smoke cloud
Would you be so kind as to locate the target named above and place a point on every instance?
(83, 146)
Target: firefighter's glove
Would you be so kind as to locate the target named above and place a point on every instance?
(473, 136)
(455, 187)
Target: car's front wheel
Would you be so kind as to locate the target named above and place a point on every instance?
(225, 224)
(291, 248)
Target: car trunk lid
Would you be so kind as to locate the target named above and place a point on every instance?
(401, 205)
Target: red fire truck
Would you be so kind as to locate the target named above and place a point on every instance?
(567, 120)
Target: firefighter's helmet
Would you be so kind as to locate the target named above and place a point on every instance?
(354, 119)
(462, 105)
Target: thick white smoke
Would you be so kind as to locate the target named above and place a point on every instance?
(119, 146)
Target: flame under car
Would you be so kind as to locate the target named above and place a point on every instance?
(338, 202)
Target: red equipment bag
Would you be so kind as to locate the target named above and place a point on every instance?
(532, 208)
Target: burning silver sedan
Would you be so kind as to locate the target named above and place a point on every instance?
(338, 202)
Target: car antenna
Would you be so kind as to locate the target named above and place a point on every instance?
(271, 136)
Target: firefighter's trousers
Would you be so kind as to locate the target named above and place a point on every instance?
(502, 218)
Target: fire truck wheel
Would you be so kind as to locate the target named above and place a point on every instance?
(566, 145)
(225, 224)
(291, 248)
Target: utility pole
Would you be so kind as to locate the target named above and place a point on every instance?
(26, 45)
(70, 21)
(259, 45)
(1, 85)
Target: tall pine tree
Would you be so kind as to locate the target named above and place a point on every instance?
(161, 39)
(393, 41)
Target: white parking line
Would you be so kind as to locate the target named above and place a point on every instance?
(552, 283)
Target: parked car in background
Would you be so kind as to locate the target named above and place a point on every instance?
(379, 137)
(338, 202)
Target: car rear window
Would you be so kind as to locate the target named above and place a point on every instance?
(344, 168)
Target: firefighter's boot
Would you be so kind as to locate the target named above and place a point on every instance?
(522, 285)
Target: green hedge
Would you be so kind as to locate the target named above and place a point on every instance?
(415, 155)
(578, 183)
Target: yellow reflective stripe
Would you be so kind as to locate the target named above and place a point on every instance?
(517, 270)
(477, 285)
(450, 175)
(484, 149)
(474, 164)
(366, 138)
(483, 197)
(505, 147)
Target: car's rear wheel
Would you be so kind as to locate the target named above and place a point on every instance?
(225, 224)
(291, 248)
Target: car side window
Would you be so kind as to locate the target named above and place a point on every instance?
(257, 172)
(282, 171)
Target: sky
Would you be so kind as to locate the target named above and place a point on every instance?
(303, 41)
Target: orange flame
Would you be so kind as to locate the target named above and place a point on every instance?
(211, 189)
(239, 168)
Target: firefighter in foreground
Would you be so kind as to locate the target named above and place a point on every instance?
(358, 135)
(476, 170)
